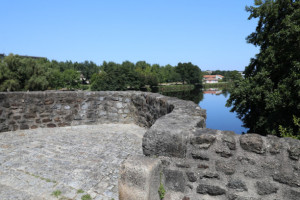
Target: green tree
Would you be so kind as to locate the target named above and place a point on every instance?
(269, 95)
(189, 73)
(71, 79)
(100, 82)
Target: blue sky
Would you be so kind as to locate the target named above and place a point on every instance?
(210, 34)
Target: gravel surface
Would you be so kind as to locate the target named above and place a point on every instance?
(73, 161)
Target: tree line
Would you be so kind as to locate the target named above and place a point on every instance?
(19, 73)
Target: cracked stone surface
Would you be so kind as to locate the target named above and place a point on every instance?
(36, 163)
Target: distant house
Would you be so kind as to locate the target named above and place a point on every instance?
(212, 78)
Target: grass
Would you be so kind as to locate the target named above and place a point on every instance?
(86, 197)
(80, 191)
(44, 179)
(161, 189)
(56, 193)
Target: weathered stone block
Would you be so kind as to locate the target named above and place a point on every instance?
(174, 180)
(227, 167)
(139, 178)
(67, 107)
(209, 175)
(265, 188)
(203, 141)
(64, 124)
(34, 127)
(43, 115)
(199, 155)
(24, 126)
(237, 185)
(57, 107)
(4, 127)
(17, 117)
(203, 166)
(275, 145)
(29, 115)
(253, 143)
(224, 151)
(51, 125)
(239, 197)
(291, 195)
(183, 165)
(191, 176)
(69, 118)
(119, 105)
(49, 101)
(289, 179)
(294, 149)
(46, 120)
(229, 139)
(210, 189)
(11, 122)
(57, 119)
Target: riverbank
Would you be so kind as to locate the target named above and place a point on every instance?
(175, 88)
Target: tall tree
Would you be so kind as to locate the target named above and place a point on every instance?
(189, 73)
(269, 95)
(71, 79)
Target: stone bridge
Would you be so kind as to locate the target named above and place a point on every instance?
(159, 143)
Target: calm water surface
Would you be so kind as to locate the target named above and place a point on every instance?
(218, 115)
(213, 100)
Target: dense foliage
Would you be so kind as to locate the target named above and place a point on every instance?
(19, 73)
(269, 96)
(26, 73)
(138, 76)
(189, 73)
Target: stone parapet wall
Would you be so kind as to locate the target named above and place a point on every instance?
(224, 165)
(30, 110)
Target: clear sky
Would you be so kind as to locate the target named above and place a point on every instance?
(210, 34)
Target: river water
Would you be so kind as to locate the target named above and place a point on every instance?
(213, 100)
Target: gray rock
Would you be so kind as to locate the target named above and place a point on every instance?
(253, 143)
(183, 165)
(203, 138)
(210, 189)
(200, 156)
(290, 179)
(224, 151)
(291, 195)
(227, 167)
(174, 180)
(237, 185)
(294, 149)
(229, 139)
(275, 145)
(191, 176)
(210, 175)
(238, 197)
(265, 188)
